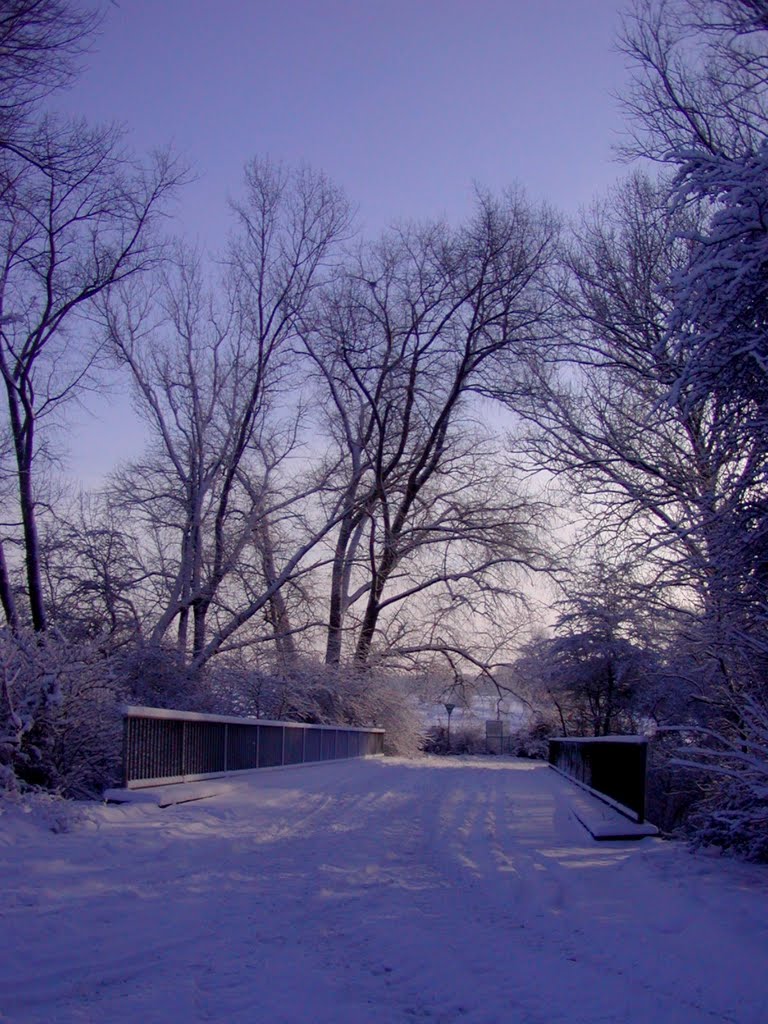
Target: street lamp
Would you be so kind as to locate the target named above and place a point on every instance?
(449, 708)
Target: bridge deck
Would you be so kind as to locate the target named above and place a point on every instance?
(382, 891)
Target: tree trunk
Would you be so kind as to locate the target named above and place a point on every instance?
(336, 610)
(6, 594)
(199, 617)
(278, 610)
(22, 429)
(32, 550)
(373, 608)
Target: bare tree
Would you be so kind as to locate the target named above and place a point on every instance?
(400, 505)
(699, 104)
(699, 78)
(712, 111)
(73, 223)
(668, 479)
(210, 376)
(41, 42)
(418, 324)
(93, 573)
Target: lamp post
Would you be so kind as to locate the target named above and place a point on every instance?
(449, 708)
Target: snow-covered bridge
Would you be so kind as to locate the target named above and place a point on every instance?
(386, 891)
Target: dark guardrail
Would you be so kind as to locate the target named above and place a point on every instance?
(614, 767)
(162, 746)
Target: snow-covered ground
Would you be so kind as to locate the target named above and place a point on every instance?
(383, 891)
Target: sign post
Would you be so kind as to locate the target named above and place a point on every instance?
(449, 708)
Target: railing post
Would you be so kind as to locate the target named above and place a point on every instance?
(184, 750)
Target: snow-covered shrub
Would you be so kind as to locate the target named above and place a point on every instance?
(310, 691)
(435, 740)
(384, 700)
(532, 741)
(155, 676)
(467, 739)
(59, 720)
(732, 817)
(464, 739)
(733, 813)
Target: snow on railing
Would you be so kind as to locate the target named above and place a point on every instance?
(612, 767)
(162, 746)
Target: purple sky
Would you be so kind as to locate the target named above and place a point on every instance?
(404, 103)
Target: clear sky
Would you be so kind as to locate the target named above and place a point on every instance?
(404, 103)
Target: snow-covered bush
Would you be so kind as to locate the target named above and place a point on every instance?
(313, 692)
(60, 703)
(435, 740)
(467, 739)
(733, 813)
(59, 719)
(532, 741)
(154, 675)
(464, 739)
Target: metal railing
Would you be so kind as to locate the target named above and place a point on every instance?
(614, 767)
(162, 746)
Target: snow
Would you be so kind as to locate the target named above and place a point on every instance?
(382, 890)
(634, 740)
